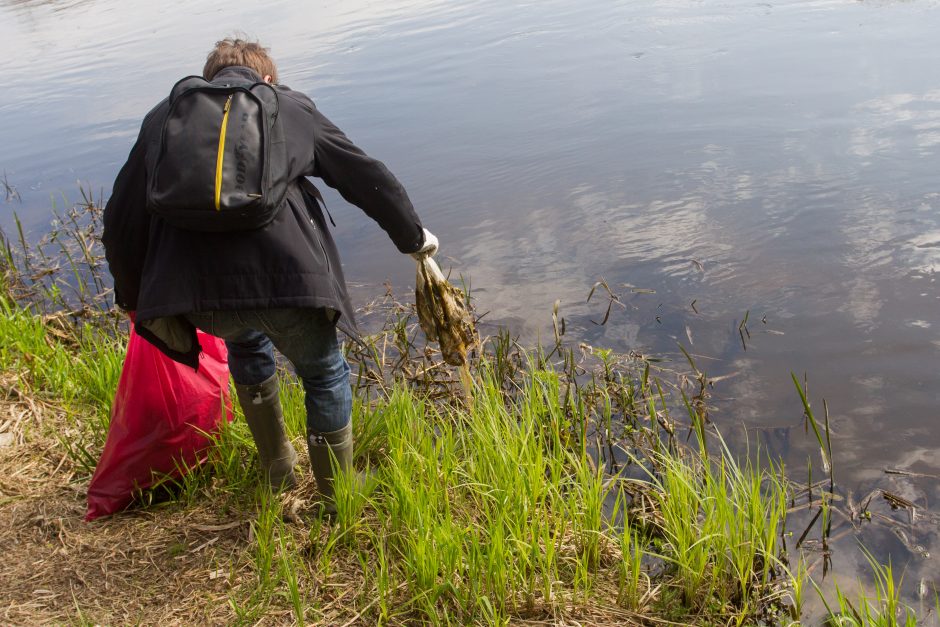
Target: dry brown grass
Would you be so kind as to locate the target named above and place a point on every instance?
(116, 571)
(167, 564)
(156, 566)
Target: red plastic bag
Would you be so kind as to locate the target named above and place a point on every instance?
(161, 416)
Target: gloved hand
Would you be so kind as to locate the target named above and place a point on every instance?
(429, 248)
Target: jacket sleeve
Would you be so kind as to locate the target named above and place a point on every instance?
(366, 183)
(126, 228)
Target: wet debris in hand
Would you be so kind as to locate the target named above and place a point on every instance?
(443, 313)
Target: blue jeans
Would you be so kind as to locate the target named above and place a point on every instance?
(307, 337)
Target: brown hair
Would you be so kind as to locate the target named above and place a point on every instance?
(234, 51)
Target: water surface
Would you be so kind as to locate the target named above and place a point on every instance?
(774, 158)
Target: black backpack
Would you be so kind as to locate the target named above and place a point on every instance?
(221, 164)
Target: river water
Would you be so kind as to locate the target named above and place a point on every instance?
(774, 160)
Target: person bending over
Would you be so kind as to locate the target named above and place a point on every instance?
(260, 288)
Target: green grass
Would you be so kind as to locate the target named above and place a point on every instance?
(80, 370)
(490, 511)
(883, 608)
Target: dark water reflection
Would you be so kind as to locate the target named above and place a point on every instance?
(776, 158)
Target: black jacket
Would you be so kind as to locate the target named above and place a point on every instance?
(162, 271)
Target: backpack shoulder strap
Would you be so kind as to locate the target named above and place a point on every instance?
(268, 95)
(187, 83)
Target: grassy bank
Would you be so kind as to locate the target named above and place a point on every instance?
(479, 512)
(573, 486)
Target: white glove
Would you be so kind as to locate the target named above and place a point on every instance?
(429, 248)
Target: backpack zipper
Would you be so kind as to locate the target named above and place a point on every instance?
(221, 156)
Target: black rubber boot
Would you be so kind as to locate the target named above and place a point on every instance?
(329, 452)
(262, 408)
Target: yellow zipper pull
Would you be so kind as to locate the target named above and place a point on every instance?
(221, 155)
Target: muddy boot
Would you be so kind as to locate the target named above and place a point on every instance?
(324, 447)
(276, 455)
